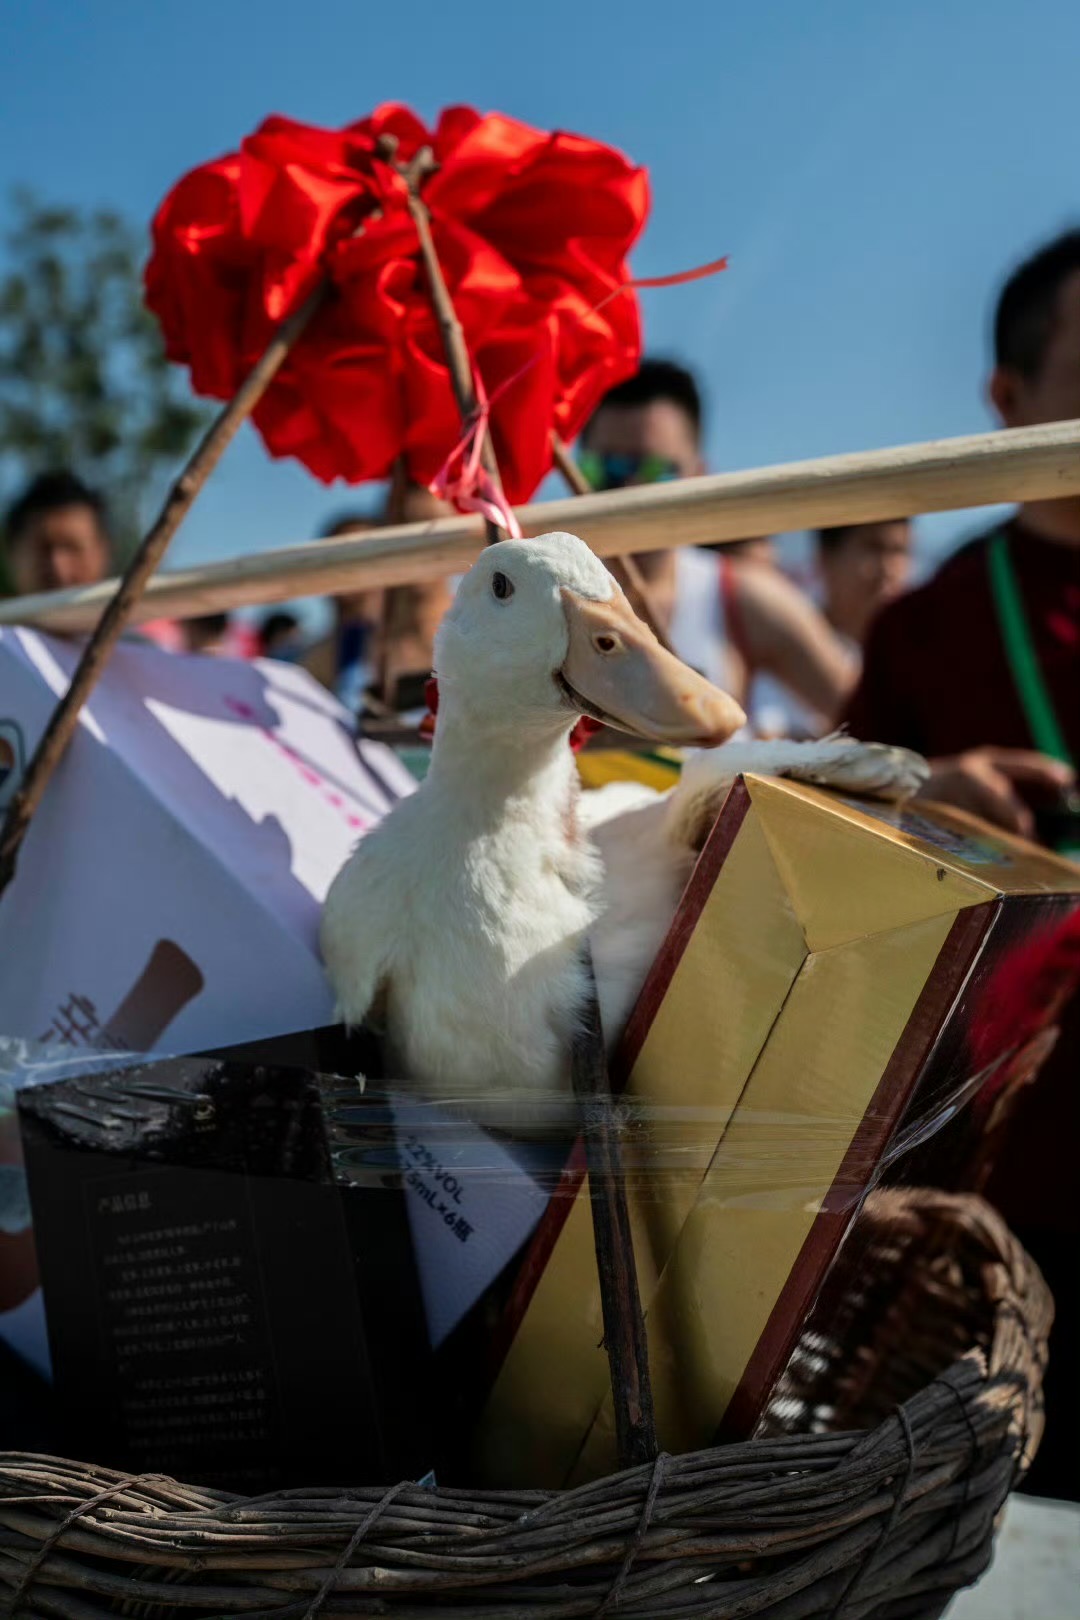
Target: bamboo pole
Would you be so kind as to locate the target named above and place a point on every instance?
(459, 366)
(1017, 464)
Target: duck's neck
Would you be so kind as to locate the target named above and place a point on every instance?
(489, 771)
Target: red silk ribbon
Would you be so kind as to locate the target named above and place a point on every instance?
(465, 482)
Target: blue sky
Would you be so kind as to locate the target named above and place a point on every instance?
(872, 171)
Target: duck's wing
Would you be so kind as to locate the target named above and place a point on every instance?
(644, 877)
(875, 770)
(356, 935)
(599, 805)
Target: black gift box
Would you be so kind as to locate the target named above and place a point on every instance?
(228, 1273)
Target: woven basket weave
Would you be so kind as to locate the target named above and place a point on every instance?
(902, 1423)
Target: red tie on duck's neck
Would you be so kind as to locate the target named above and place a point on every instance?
(585, 728)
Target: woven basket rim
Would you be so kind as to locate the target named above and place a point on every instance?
(770, 1526)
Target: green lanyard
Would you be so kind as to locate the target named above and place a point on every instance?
(1028, 678)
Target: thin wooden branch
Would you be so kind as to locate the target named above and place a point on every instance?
(620, 1297)
(625, 569)
(572, 474)
(458, 360)
(1018, 464)
(120, 609)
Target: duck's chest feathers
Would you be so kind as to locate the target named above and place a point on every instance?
(493, 992)
(534, 880)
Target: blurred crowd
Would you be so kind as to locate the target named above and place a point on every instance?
(978, 667)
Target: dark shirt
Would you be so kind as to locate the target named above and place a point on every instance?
(935, 679)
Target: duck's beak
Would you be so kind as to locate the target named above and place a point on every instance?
(616, 671)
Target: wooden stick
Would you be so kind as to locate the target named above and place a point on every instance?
(459, 365)
(1017, 464)
(458, 360)
(119, 610)
(620, 1298)
(625, 569)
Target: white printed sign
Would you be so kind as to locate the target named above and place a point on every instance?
(472, 1203)
(168, 893)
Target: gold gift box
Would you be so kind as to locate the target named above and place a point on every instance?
(809, 1018)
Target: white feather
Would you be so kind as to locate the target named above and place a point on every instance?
(872, 769)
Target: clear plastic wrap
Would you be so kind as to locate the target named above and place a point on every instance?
(841, 1004)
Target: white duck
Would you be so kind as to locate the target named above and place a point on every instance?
(464, 912)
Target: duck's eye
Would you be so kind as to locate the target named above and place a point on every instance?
(606, 643)
(501, 587)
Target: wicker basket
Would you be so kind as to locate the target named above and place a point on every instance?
(917, 1403)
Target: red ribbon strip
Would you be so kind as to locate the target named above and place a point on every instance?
(472, 488)
(585, 728)
(681, 277)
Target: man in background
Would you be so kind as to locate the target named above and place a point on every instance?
(861, 567)
(727, 615)
(280, 635)
(215, 635)
(56, 536)
(980, 670)
(945, 665)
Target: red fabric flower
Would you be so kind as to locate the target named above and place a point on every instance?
(532, 230)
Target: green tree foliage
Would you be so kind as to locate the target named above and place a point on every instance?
(84, 383)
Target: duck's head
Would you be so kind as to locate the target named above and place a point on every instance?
(540, 633)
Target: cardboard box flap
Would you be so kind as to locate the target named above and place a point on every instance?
(998, 863)
(1007, 864)
(707, 1014)
(849, 877)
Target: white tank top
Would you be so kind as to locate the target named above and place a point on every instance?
(703, 639)
(698, 631)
